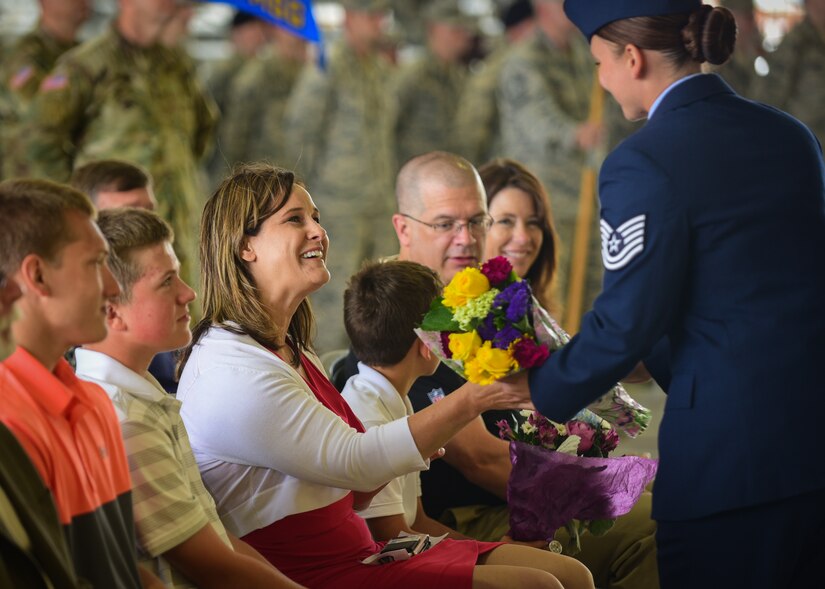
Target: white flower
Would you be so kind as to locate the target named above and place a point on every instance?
(527, 427)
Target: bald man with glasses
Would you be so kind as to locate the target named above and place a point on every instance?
(442, 223)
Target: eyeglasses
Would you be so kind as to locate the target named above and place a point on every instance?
(476, 226)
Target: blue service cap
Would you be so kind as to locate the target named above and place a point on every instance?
(591, 15)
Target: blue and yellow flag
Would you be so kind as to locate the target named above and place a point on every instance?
(293, 15)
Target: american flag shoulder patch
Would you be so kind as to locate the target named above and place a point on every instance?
(622, 244)
(54, 82)
(21, 77)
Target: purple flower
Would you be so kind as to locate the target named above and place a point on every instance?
(497, 270)
(585, 431)
(487, 329)
(505, 430)
(529, 354)
(445, 344)
(505, 337)
(516, 299)
(547, 433)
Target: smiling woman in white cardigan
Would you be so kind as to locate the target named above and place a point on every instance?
(279, 449)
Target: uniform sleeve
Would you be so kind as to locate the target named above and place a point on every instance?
(530, 112)
(278, 424)
(23, 77)
(247, 112)
(206, 116)
(166, 511)
(305, 117)
(477, 116)
(54, 121)
(645, 249)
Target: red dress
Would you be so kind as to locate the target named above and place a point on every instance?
(324, 547)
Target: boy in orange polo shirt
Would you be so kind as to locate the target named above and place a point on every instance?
(53, 249)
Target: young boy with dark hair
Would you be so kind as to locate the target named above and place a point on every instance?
(180, 536)
(383, 304)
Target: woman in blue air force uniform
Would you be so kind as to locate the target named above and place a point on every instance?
(713, 230)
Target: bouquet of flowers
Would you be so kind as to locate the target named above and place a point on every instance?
(562, 477)
(487, 325)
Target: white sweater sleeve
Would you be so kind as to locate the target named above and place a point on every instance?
(270, 418)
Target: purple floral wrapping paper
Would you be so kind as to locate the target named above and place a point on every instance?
(548, 489)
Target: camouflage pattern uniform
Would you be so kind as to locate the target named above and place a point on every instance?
(739, 72)
(220, 84)
(427, 92)
(24, 66)
(257, 102)
(110, 99)
(796, 83)
(476, 128)
(543, 95)
(338, 124)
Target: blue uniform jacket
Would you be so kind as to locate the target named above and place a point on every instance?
(713, 228)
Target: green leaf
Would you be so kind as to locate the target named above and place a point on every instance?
(574, 545)
(599, 527)
(523, 325)
(439, 318)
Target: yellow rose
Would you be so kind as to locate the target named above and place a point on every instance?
(489, 365)
(475, 374)
(495, 361)
(464, 345)
(466, 285)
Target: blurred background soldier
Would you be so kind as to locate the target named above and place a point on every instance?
(123, 95)
(248, 35)
(476, 128)
(27, 62)
(409, 18)
(544, 97)
(739, 71)
(257, 102)
(427, 91)
(796, 83)
(338, 130)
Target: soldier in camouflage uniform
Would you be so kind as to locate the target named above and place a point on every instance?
(796, 83)
(739, 70)
(123, 95)
(544, 94)
(338, 131)
(427, 91)
(248, 35)
(476, 127)
(24, 66)
(258, 100)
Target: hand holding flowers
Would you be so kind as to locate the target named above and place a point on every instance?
(487, 325)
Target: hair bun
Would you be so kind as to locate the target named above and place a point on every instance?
(710, 34)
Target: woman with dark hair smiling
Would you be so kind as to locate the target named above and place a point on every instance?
(522, 229)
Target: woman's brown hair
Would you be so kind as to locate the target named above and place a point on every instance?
(240, 205)
(706, 34)
(502, 173)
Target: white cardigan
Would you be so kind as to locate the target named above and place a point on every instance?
(266, 447)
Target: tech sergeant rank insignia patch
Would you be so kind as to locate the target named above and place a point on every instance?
(622, 244)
